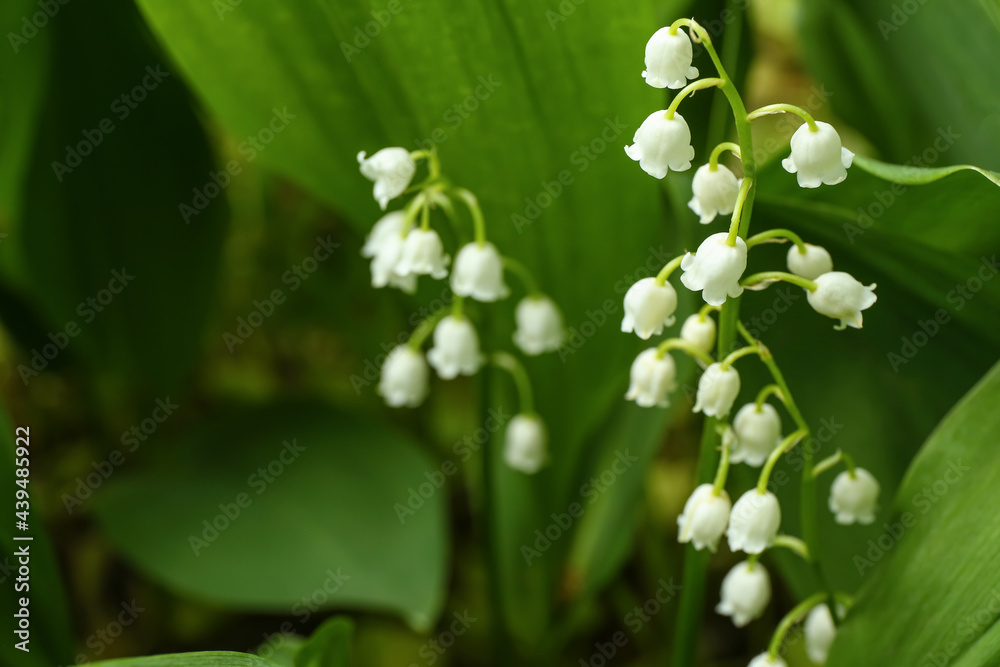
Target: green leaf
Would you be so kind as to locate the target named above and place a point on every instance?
(289, 509)
(934, 593)
(205, 659)
(911, 175)
(329, 645)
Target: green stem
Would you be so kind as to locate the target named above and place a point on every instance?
(786, 445)
(472, 202)
(713, 159)
(433, 164)
(756, 278)
(739, 354)
(700, 84)
(784, 108)
(723, 471)
(457, 307)
(791, 618)
(706, 309)
(425, 328)
(793, 544)
(771, 389)
(685, 346)
(522, 272)
(661, 277)
(741, 198)
(512, 365)
(425, 215)
(763, 237)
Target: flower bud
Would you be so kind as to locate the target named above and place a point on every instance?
(648, 308)
(818, 156)
(668, 59)
(652, 377)
(840, 296)
(661, 144)
(539, 325)
(704, 518)
(699, 331)
(717, 390)
(854, 498)
(754, 522)
(478, 273)
(525, 444)
(746, 590)
(758, 433)
(715, 192)
(392, 170)
(715, 269)
(820, 632)
(765, 660)
(456, 348)
(812, 263)
(403, 381)
(423, 255)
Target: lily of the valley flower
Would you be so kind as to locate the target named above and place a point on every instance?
(818, 156)
(820, 632)
(746, 591)
(661, 144)
(385, 265)
(717, 390)
(715, 269)
(758, 433)
(456, 348)
(854, 498)
(699, 330)
(525, 444)
(652, 378)
(539, 325)
(423, 255)
(812, 263)
(389, 225)
(403, 381)
(648, 308)
(715, 192)
(668, 59)
(704, 518)
(392, 170)
(765, 660)
(478, 273)
(840, 296)
(754, 522)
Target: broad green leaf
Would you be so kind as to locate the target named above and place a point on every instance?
(291, 509)
(329, 645)
(206, 659)
(933, 586)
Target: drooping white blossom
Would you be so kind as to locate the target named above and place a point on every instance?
(717, 390)
(754, 522)
(423, 255)
(699, 330)
(385, 266)
(704, 518)
(540, 326)
(715, 192)
(478, 273)
(758, 433)
(661, 144)
(812, 263)
(668, 59)
(648, 308)
(820, 631)
(746, 591)
(389, 225)
(456, 348)
(765, 660)
(525, 444)
(818, 156)
(651, 379)
(715, 269)
(854, 499)
(404, 378)
(840, 296)
(392, 170)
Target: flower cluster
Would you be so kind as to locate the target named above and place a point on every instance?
(754, 437)
(401, 250)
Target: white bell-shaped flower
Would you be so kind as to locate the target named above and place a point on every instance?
(715, 269)
(765, 660)
(854, 498)
(540, 326)
(812, 263)
(704, 518)
(818, 156)
(699, 330)
(717, 390)
(668, 59)
(840, 296)
(423, 255)
(525, 444)
(754, 522)
(648, 308)
(385, 265)
(389, 225)
(404, 378)
(758, 433)
(478, 273)
(456, 348)
(652, 378)
(392, 170)
(715, 192)
(661, 144)
(820, 631)
(746, 591)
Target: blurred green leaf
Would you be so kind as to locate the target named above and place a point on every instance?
(911, 175)
(329, 645)
(915, 610)
(290, 508)
(206, 659)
